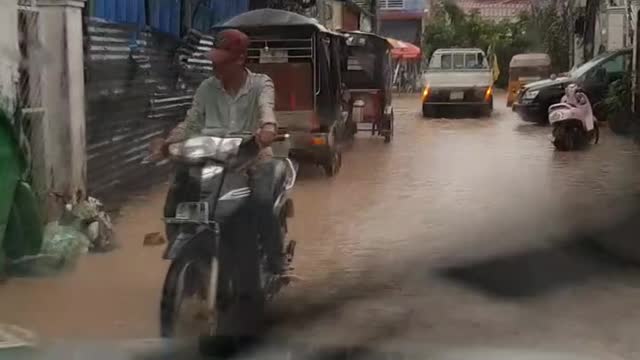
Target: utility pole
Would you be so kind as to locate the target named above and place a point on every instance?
(322, 12)
(591, 13)
(375, 22)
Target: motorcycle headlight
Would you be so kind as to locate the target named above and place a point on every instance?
(530, 94)
(206, 147)
(208, 172)
(556, 116)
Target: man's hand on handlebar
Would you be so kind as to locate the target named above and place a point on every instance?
(158, 150)
(266, 135)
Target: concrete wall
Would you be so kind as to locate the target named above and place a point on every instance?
(9, 53)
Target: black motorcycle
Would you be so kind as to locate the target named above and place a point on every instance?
(214, 217)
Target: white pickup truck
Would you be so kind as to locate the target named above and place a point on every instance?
(457, 78)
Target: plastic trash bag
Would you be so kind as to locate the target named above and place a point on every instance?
(82, 227)
(88, 217)
(65, 243)
(62, 246)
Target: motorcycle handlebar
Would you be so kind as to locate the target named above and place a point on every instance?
(282, 135)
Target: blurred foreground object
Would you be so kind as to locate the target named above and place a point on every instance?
(14, 337)
(621, 238)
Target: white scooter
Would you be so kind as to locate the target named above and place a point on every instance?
(574, 125)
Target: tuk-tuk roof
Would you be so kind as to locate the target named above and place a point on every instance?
(272, 17)
(363, 33)
(533, 59)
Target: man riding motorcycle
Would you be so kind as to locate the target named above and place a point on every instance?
(235, 100)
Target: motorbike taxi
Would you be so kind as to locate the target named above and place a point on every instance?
(524, 69)
(204, 291)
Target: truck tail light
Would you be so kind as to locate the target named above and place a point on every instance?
(488, 93)
(425, 93)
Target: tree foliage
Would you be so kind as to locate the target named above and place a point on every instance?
(544, 29)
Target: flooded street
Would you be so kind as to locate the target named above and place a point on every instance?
(458, 233)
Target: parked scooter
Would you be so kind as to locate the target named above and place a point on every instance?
(574, 125)
(200, 285)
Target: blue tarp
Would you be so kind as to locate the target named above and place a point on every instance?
(165, 15)
(119, 11)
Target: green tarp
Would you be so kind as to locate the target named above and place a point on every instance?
(20, 223)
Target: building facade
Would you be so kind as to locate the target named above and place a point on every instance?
(403, 19)
(495, 10)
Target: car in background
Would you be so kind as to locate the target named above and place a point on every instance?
(457, 78)
(594, 76)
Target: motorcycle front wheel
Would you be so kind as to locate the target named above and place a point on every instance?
(183, 307)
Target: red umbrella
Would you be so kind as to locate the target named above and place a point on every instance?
(404, 50)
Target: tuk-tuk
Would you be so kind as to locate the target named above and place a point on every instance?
(367, 74)
(526, 68)
(303, 59)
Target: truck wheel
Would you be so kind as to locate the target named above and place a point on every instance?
(486, 111)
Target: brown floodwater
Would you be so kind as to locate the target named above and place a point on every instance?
(461, 231)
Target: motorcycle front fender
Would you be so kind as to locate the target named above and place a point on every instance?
(202, 242)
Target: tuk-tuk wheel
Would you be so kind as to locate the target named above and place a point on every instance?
(352, 129)
(333, 163)
(389, 133)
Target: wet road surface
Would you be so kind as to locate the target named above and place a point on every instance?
(461, 232)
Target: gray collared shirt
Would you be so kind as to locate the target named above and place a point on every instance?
(213, 108)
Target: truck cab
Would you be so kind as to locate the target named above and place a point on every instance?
(458, 78)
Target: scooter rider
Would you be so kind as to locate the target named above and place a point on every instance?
(236, 100)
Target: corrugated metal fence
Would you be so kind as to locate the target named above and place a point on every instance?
(133, 94)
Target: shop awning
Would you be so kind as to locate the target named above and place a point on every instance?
(404, 50)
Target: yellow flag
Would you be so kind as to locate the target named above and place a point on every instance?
(495, 68)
